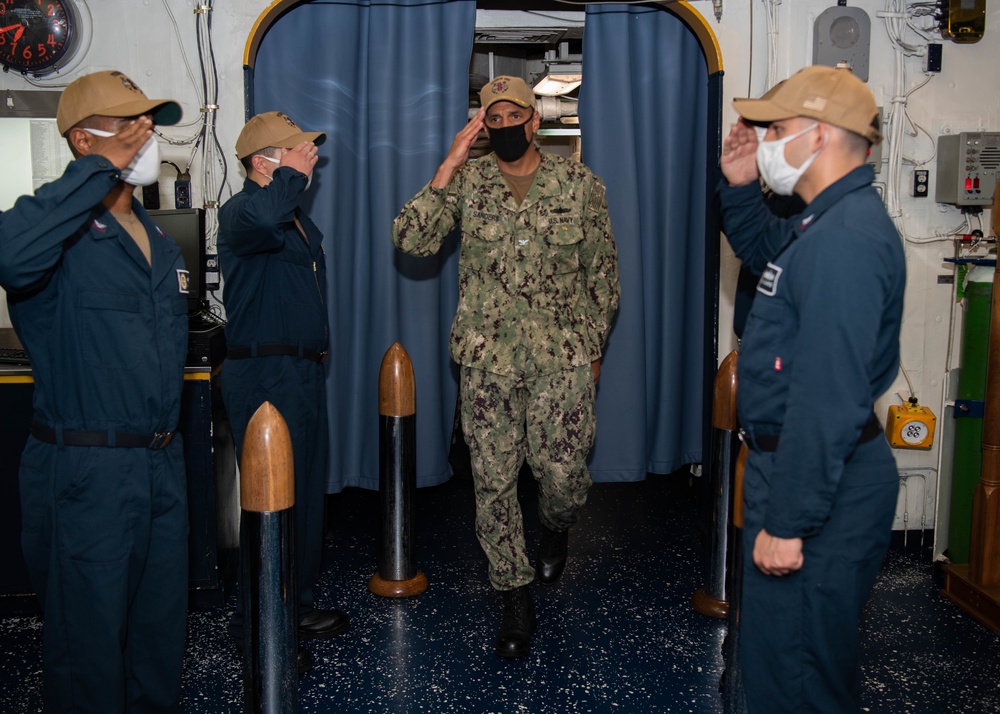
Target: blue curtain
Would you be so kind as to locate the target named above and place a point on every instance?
(387, 80)
(643, 120)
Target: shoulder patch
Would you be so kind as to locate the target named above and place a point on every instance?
(596, 197)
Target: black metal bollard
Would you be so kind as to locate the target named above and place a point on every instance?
(267, 500)
(397, 574)
(711, 599)
(731, 682)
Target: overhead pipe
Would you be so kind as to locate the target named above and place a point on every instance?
(267, 500)
(397, 574)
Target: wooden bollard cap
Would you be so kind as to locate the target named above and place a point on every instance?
(724, 400)
(267, 469)
(397, 392)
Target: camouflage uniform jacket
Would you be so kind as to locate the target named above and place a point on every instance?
(538, 283)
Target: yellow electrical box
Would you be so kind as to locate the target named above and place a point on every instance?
(910, 426)
(963, 20)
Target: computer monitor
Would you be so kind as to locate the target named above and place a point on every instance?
(187, 227)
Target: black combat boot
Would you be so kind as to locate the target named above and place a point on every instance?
(517, 625)
(551, 556)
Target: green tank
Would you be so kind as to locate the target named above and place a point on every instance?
(978, 293)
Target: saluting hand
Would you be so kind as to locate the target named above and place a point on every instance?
(739, 155)
(302, 158)
(121, 148)
(458, 154)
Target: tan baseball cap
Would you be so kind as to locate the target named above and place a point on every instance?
(832, 95)
(273, 129)
(110, 94)
(507, 89)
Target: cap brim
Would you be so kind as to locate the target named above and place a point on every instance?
(762, 110)
(165, 112)
(518, 102)
(316, 137)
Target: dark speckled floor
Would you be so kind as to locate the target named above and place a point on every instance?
(617, 634)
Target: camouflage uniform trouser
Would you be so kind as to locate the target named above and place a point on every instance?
(549, 419)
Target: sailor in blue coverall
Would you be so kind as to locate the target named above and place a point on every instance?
(103, 317)
(821, 344)
(274, 268)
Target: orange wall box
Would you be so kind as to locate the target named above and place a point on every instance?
(910, 426)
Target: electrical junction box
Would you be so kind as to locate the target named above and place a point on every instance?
(910, 426)
(182, 191)
(933, 59)
(211, 271)
(967, 168)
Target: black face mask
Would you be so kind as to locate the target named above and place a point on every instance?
(509, 142)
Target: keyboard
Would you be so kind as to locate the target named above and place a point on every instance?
(13, 355)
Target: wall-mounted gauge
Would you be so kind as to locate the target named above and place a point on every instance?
(38, 36)
(841, 37)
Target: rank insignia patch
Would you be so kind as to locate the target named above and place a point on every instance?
(768, 284)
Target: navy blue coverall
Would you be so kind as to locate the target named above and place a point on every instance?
(104, 529)
(820, 345)
(275, 287)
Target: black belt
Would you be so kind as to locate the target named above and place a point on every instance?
(769, 442)
(273, 350)
(74, 437)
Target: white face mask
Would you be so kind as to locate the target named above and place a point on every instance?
(145, 167)
(777, 173)
(309, 178)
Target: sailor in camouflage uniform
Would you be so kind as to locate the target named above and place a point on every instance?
(538, 287)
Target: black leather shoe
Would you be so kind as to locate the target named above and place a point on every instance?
(303, 660)
(551, 556)
(321, 624)
(517, 625)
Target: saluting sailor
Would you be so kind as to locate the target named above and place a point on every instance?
(98, 296)
(821, 344)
